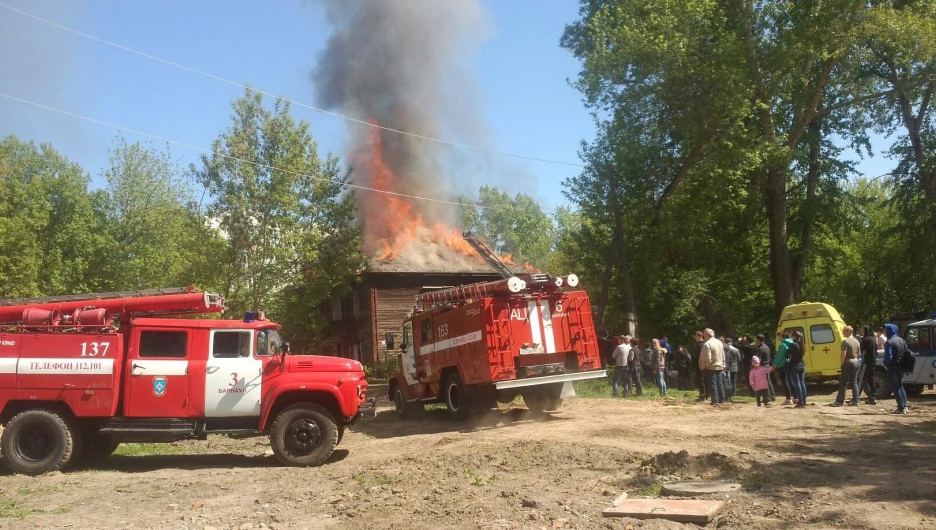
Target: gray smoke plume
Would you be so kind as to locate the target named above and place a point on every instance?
(397, 63)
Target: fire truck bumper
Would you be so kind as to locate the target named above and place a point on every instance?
(368, 410)
(545, 380)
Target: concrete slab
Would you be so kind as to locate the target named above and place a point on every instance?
(689, 488)
(681, 511)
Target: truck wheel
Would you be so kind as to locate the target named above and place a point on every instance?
(554, 393)
(913, 390)
(883, 384)
(405, 409)
(97, 446)
(456, 399)
(37, 441)
(340, 434)
(304, 435)
(536, 400)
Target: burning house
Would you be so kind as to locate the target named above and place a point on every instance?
(398, 63)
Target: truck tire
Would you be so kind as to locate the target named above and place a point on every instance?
(304, 435)
(883, 384)
(405, 409)
(456, 398)
(913, 390)
(97, 446)
(38, 441)
(535, 399)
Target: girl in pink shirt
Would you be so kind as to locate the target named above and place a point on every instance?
(759, 382)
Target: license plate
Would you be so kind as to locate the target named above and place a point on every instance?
(527, 351)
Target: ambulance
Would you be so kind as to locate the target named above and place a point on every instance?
(821, 326)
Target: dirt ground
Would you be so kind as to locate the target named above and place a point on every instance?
(822, 467)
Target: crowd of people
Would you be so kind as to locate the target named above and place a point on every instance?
(714, 365)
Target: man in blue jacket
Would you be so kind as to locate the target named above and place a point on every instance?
(894, 350)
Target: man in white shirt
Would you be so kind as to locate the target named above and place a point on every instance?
(621, 353)
(712, 363)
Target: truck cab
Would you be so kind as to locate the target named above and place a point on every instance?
(821, 326)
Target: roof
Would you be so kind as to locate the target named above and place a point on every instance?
(462, 266)
(931, 322)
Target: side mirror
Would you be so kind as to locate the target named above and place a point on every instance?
(286, 350)
(389, 340)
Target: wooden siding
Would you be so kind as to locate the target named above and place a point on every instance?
(393, 306)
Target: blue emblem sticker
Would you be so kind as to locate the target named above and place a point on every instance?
(159, 386)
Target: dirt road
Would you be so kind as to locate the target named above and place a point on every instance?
(818, 468)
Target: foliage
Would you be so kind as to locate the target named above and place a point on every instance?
(511, 226)
(383, 370)
(290, 238)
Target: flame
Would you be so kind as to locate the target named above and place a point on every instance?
(392, 223)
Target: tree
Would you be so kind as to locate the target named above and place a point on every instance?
(289, 226)
(514, 226)
(157, 237)
(726, 93)
(50, 224)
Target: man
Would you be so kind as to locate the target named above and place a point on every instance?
(851, 363)
(869, 362)
(633, 371)
(732, 361)
(881, 340)
(620, 354)
(894, 350)
(712, 363)
(700, 380)
(684, 368)
(780, 362)
(763, 353)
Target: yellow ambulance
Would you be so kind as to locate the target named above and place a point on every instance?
(821, 326)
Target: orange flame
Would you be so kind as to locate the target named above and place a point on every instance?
(392, 222)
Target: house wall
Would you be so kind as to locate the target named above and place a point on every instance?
(384, 300)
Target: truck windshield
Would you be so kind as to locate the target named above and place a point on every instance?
(269, 342)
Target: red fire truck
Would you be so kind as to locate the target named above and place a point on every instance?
(81, 374)
(469, 346)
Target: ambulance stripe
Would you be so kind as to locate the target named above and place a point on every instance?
(548, 335)
(65, 366)
(8, 365)
(534, 318)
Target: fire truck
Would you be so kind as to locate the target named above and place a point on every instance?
(81, 374)
(475, 345)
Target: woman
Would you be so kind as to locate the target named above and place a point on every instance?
(797, 369)
(659, 365)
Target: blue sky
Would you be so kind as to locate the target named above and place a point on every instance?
(520, 71)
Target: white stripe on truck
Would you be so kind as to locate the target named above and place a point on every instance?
(548, 336)
(65, 366)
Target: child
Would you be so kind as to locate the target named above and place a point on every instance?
(759, 382)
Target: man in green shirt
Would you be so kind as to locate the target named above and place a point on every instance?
(851, 364)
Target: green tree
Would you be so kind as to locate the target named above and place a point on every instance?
(157, 237)
(50, 227)
(514, 226)
(289, 226)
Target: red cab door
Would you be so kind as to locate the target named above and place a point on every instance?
(157, 374)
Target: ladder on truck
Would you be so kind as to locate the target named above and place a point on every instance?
(498, 265)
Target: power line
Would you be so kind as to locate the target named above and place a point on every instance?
(229, 157)
(258, 91)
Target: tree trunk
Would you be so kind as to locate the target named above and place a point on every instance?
(606, 279)
(625, 261)
(809, 207)
(777, 227)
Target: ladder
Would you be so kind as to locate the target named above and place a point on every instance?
(487, 255)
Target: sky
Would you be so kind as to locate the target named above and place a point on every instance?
(520, 71)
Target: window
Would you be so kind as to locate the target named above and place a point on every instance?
(269, 343)
(336, 309)
(918, 339)
(163, 344)
(230, 344)
(426, 331)
(821, 334)
(356, 303)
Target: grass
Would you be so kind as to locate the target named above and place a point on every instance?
(650, 490)
(15, 510)
(477, 480)
(372, 479)
(601, 388)
(28, 492)
(149, 449)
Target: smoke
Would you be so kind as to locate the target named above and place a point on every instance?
(397, 62)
